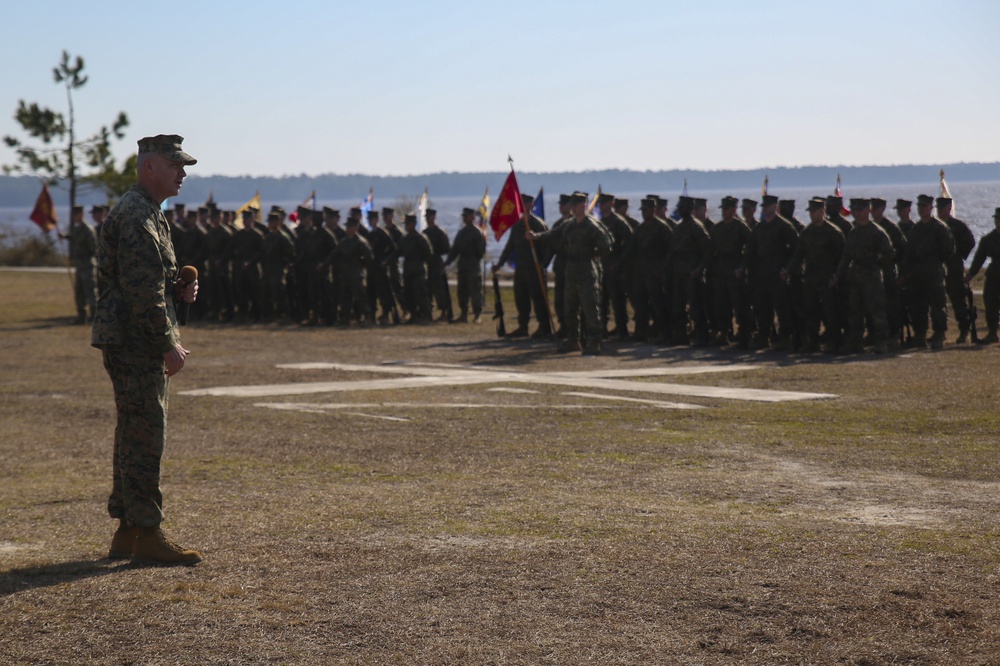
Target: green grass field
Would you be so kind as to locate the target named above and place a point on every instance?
(860, 529)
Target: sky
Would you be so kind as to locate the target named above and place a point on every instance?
(400, 88)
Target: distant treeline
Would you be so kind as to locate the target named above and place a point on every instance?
(20, 191)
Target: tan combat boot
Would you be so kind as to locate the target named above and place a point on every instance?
(153, 547)
(123, 541)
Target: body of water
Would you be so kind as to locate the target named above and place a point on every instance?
(974, 203)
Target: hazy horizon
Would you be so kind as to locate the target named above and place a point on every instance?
(388, 87)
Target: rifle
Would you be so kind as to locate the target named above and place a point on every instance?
(973, 314)
(498, 308)
(905, 328)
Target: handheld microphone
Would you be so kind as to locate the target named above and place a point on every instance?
(188, 275)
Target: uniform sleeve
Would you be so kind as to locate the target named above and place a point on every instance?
(947, 243)
(978, 260)
(845, 258)
(143, 285)
(508, 249)
(602, 242)
(456, 248)
(794, 265)
(886, 251)
(964, 241)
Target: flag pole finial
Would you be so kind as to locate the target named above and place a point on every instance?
(510, 161)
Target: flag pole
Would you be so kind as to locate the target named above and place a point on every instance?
(65, 239)
(482, 230)
(534, 255)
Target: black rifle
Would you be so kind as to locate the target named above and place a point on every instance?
(973, 314)
(906, 324)
(498, 308)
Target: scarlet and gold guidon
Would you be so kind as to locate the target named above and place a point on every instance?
(508, 208)
(44, 214)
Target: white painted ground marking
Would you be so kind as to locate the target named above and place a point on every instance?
(505, 389)
(320, 407)
(643, 401)
(429, 377)
(379, 416)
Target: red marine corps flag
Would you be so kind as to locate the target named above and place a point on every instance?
(44, 214)
(508, 210)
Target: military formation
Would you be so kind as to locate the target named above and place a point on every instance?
(831, 284)
(324, 271)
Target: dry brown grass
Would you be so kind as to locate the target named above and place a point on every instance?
(860, 530)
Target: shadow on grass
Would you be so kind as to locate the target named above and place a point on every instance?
(44, 323)
(503, 351)
(30, 578)
(498, 351)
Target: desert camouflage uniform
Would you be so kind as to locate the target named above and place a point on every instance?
(134, 326)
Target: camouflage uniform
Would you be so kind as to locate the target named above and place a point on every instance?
(218, 249)
(469, 248)
(437, 280)
(585, 245)
(647, 253)
(890, 275)
(302, 269)
(928, 246)
(392, 262)
(353, 255)
(729, 242)
(192, 251)
(245, 250)
(134, 326)
(528, 293)
(559, 280)
(379, 284)
(955, 271)
(277, 253)
(614, 294)
(816, 257)
(989, 248)
(324, 241)
(82, 249)
(867, 252)
(415, 250)
(772, 244)
(690, 254)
